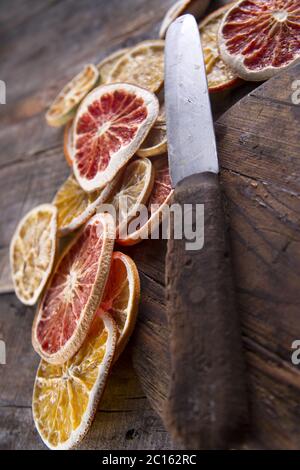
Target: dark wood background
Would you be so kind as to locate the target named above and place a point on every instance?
(42, 45)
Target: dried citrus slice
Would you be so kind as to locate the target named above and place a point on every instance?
(75, 206)
(68, 142)
(74, 292)
(143, 65)
(160, 198)
(258, 38)
(194, 7)
(156, 141)
(121, 297)
(106, 65)
(64, 106)
(219, 75)
(110, 126)
(135, 188)
(32, 252)
(65, 397)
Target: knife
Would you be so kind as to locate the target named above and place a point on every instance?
(207, 405)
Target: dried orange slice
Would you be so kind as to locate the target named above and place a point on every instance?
(64, 106)
(143, 65)
(135, 188)
(259, 38)
(219, 75)
(75, 206)
(74, 292)
(121, 297)
(110, 126)
(68, 142)
(194, 7)
(65, 397)
(32, 252)
(156, 142)
(106, 65)
(160, 197)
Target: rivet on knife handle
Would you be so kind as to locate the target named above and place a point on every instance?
(207, 407)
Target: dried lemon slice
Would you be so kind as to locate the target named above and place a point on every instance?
(143, 65)
(121, 297)
(65, 397)
(75, 206)
(219, 75)
(135, 188)
(106, 65)
(156, 142)
(64, 106)
(32, 252)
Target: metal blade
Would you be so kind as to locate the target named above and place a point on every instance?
(190, 130)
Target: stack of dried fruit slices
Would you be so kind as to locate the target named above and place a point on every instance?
(115, 141)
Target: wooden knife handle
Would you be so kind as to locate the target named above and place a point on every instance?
(207, 405)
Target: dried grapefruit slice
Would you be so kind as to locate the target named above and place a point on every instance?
(106, 65)
(74, 292)
(194, 7)
(143, 65)
(64, 106)
(121, 297)
(75, 206)
(135, 188)
(110, 126)
(219, 75)
(258, 38)
(65, 397)
(68, 142)
(160, 198)
(32, 252)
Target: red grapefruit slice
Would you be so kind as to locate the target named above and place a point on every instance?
(110, 126)
(160, 198)
(74, 292)
(258, 38)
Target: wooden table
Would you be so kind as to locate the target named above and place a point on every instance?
(42, 45)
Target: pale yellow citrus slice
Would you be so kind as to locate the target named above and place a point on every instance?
(68, 142)
(75, 206)
(121, 297)
(160, 198)
(110, 126)
(74, 291)
(65, 397)
(135, 188)
(182, 7)
(32, 252)
(219, 75)
(156, 141)
(65, 104)
(143, 65)
(106, 65)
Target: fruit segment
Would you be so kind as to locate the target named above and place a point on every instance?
(74, 292)
(65, 397)
(111, 124)
(258, 38)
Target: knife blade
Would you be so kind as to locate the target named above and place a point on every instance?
(207, 406)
